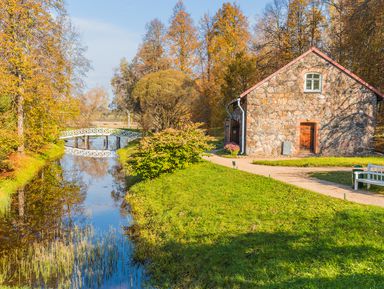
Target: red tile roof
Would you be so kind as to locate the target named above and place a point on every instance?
(327, 58)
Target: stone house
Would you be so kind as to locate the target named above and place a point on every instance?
(313, 105)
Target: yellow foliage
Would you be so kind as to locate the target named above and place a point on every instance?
(35, 69)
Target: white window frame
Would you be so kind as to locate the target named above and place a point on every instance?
(311, 89)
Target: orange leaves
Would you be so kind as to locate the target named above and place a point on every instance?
(183, 42)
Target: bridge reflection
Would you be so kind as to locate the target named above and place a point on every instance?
(90, 153)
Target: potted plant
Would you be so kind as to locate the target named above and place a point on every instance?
(232, 148)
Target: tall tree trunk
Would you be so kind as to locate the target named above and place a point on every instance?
(20, 122)
(21, 197)
(129, 118)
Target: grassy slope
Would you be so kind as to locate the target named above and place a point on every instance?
(214, 227)
(324, 162)
(123, 155)
(125, 152)
(344, 178)
(26, 169)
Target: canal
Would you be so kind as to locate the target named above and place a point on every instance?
(67, 228)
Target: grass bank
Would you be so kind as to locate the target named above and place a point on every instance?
(123, 155)
(324, 162)
(26, 168)
(343, 178)
(213, 227)
(125, 152)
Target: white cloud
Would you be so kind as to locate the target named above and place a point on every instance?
(107, 44)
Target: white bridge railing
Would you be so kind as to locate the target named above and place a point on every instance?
(100, 132)
(87, 132)
(90, 153)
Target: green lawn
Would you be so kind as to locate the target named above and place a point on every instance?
(213, 227)
(344, 178)
(324, 162)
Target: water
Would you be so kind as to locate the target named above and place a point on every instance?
(66, 229)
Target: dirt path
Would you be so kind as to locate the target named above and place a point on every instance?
(298, 176)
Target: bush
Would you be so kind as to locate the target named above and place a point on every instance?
(167, 99)
(169, 150)
(232, 148)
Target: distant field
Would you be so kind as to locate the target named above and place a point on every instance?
(114, 124)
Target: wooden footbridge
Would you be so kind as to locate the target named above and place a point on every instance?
(85, 133)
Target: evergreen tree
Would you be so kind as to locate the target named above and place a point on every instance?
(241, 74)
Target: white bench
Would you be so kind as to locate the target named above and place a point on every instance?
(374, 175)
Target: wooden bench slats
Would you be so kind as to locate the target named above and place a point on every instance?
(373, 175)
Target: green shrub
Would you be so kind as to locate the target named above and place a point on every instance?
(169, 150)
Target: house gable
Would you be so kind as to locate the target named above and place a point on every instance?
(323, 56)
(341, 115)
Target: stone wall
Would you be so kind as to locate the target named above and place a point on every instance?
(344, 111)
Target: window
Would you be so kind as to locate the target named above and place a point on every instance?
(312, 82)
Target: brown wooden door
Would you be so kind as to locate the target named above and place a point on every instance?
(307, 137)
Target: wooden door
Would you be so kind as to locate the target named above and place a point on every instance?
(307, 137)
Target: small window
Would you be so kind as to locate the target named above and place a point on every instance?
(312, 82)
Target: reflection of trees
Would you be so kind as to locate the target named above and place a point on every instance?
(119, 191)
(36, 216)
(95, 167)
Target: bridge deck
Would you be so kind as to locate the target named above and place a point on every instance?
(100, 132)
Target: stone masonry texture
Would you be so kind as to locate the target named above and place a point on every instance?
(344, 111)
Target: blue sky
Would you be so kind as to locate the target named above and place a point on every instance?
(112, 29)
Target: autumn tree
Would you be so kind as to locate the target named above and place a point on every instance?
(298, 38)
(356, 37)
(271, 42)
(151, 57)
(22, 46)
(336, 34)
(123, 82)
(182, 38)
(228, 36)
(286, 30)
(92, 104)
(316, 21)
(38, 68)
(152, 54)
(166, 98)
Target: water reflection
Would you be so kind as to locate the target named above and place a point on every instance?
(66, 229)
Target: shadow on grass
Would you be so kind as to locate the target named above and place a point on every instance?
(344, 178)
(313, 259)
